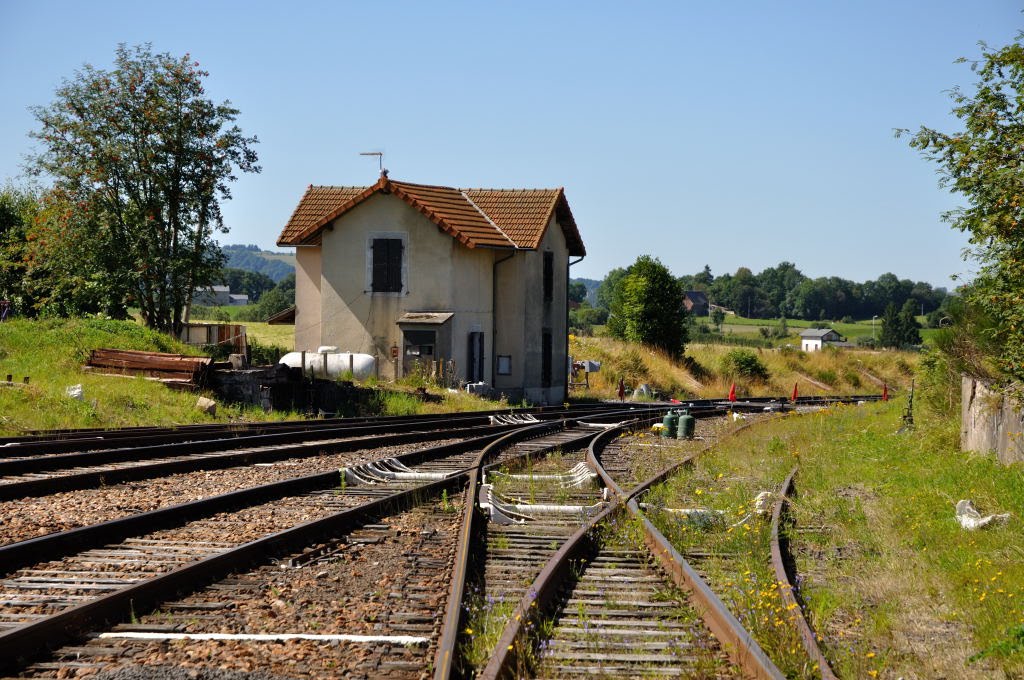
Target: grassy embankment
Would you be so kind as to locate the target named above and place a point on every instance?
(894, 585)
(705, 372)
(52, 352)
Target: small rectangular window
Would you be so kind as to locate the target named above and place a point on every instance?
(549, 276)
(504, 364)
(387, 265)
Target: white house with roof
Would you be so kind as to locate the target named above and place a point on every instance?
(813, 339)
(414, 273)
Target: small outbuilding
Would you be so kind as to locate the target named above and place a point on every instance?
(813, 339)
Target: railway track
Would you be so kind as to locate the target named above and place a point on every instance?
(363, 605)
(624, 618)
(40, 475)
(782, 560)
(63, 597)
(577, 591)
(616, 600)
(60, 441)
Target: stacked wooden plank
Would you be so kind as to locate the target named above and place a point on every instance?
(166, 367)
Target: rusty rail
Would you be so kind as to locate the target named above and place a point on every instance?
(445, 658)
(540, 598)
(807, 636)
(28, 640)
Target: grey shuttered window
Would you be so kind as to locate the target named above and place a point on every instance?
(545, 358)
(387, 265)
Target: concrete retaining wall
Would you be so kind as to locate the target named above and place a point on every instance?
(990, 422)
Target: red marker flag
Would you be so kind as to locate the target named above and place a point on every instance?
(793, 398)
(732, 392)
(885, 392)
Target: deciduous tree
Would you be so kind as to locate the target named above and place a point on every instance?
(984, 163)
(149, 157)
(647, 307)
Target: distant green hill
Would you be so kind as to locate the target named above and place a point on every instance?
(251, 258)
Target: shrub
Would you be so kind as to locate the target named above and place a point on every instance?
(827, 376)
(264, 355)
(743, 363)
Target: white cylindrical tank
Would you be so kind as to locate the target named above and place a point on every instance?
(332, 365)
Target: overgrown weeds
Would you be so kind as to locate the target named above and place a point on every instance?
(892, 584)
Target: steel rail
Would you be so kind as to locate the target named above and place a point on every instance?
(740, 645)
(93, 434)
(27, 641)
(472, 522)
(541, 597)
(43, 459)
(788, 590)
(444, 659)
(56, 545)
(305, 449)
(539, 600)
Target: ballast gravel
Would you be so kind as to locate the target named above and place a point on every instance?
(27, 518)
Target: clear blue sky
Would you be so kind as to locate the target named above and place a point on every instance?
(729, 134)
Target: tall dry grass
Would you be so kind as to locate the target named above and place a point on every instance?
(701, 374)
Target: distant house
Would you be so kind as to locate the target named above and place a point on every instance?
(219, 296)
(813, 339)
(212, 296)
(696, 302)
(414, 273)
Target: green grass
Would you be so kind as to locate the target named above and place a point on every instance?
(52, 352)
(894, 585)
(278, 335)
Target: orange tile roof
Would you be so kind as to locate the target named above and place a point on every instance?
(315, 203)
(488, 218)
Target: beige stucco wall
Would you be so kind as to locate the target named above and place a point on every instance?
(523, 316)
(307, 298)
(439, 275)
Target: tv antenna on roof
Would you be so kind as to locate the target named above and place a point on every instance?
(378, 154)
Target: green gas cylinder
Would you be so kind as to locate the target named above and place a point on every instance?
(670, 422)
(687, 425)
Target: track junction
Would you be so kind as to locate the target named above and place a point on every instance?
(375, 547)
